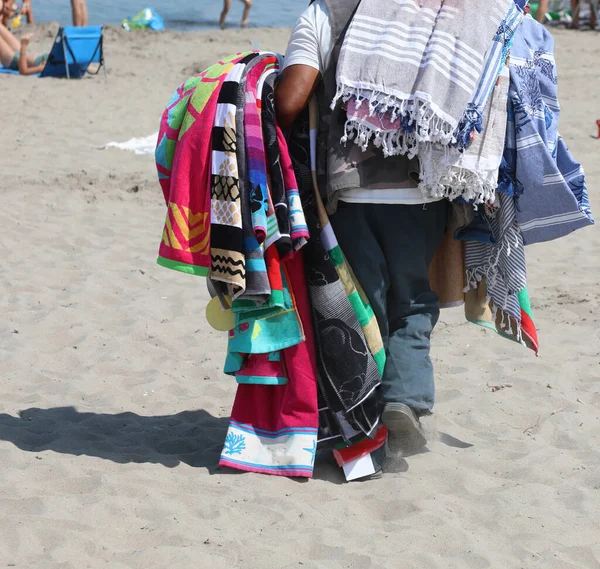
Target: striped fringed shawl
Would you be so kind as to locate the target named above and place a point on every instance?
(549, 182)
(416, 66)
(454, 76)
(494, 61)
(496, 264)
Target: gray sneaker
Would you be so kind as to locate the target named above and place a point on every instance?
(405, 435)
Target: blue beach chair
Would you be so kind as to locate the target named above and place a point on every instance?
(73, 51)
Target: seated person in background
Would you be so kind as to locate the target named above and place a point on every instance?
(13, 55)
(11, 15)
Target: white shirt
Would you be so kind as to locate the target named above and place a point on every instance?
(311, 44)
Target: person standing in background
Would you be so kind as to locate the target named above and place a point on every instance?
(575, 11)
(542, 11)
(80, 13)
(28, 12)
(227, 6)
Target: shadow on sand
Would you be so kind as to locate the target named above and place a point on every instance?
(191, 437)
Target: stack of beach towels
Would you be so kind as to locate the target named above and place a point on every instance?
(235, 216)
(244, 210)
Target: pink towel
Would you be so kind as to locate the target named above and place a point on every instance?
(183, 161)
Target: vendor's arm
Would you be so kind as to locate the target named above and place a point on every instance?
(306, 57)
(294, 90)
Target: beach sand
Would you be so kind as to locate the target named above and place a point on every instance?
(113, 406)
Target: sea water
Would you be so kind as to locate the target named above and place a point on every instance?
(177, 14)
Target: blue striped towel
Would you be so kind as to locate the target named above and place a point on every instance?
(495, 59)
(552, 192)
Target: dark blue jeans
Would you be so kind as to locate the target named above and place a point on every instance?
(390, 248)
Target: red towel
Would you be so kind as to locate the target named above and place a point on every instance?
(273, 428)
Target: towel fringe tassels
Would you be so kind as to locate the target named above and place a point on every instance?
(418, 121)
(472, 121)
(411, 127)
